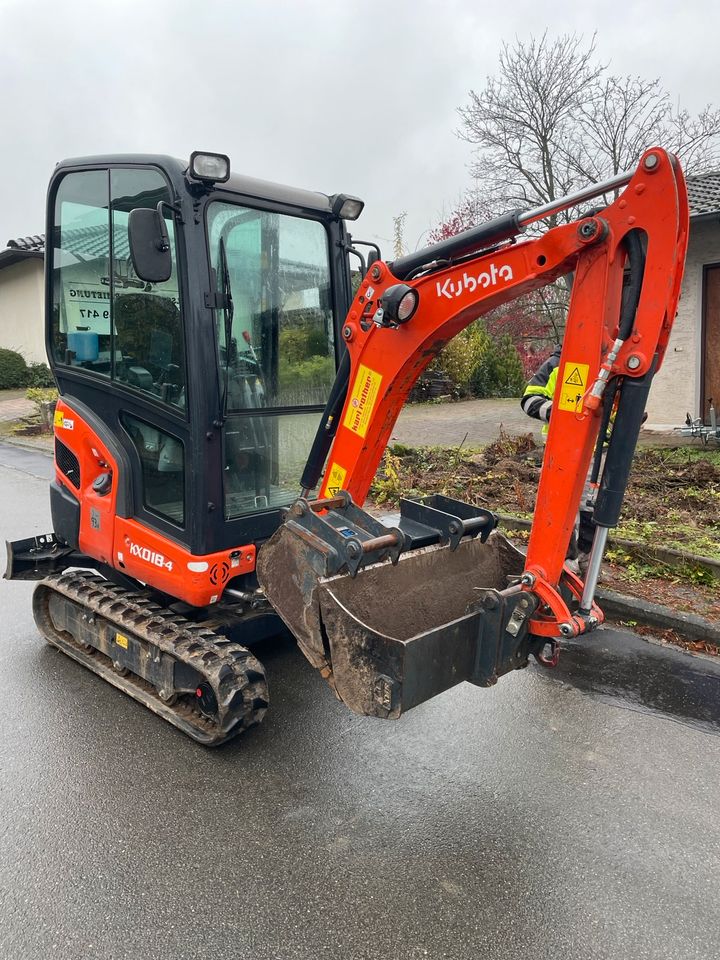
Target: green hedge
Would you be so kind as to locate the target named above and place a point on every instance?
(13, 370)
(499, 372)
(479, 365)
(39, 375)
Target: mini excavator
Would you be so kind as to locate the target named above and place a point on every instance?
(225, 400)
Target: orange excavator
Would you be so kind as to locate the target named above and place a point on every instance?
(213, 362)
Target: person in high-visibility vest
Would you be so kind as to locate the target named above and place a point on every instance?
(537, 402)
(538, 396)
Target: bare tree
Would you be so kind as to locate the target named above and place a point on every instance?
(629, 115)
(553, 119)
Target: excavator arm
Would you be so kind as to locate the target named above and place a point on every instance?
(386, 356)
(331, 557)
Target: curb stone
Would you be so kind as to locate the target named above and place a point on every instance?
(39, 447)
(666, 554)
(619, 606)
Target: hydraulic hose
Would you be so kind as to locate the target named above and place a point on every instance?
(631, 295)
(328, 426)
(628, 309)
(633, 399)
(608, 401)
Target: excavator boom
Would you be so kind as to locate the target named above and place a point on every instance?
(379, 611)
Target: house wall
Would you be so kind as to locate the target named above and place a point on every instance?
(21, 309)
(676, 388)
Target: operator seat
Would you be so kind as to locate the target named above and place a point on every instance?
(149, 341)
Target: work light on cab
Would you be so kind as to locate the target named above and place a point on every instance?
(400, 302)
(346, 207)
(209, 167)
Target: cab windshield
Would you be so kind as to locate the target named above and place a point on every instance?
(276, 350)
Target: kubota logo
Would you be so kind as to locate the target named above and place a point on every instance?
(488, 278)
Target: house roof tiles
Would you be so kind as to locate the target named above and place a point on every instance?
(704, 194)
(34, 243)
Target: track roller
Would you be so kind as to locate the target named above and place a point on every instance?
(204, 684)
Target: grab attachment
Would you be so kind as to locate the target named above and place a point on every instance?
(394, 615)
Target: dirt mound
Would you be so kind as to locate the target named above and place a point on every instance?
(508, 447)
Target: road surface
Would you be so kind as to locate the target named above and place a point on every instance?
(473, 423)
(569, 816)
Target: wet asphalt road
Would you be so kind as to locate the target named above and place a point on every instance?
(566, 815)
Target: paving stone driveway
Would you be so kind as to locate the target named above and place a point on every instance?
(16, 409)
(474, 423)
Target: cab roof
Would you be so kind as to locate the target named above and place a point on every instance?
(236, 184)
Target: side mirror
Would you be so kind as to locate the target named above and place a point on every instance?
(149, 245)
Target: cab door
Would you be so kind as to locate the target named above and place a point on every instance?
(276, 355)
(117, 348)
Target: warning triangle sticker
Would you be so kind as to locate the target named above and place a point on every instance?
(575, 378)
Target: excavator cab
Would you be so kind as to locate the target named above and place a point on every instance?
(192, 320)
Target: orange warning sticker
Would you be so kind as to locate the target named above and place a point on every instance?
(573, 386)
(335, 480)
(362, 400)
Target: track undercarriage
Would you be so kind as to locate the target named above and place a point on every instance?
(187, 672)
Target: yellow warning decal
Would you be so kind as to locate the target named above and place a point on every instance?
(573, 386)
(335, 480)
(121, 640)
(58, 418)
(362, 400)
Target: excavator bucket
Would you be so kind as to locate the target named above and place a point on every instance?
(392, 616)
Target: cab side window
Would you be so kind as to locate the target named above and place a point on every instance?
(105, 319)
(162, 460)
(149, 352)
(81, 326)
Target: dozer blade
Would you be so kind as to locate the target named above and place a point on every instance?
(389, 635)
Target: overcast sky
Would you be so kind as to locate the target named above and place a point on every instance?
(331, 96)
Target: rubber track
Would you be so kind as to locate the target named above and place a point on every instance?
(236, 677)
